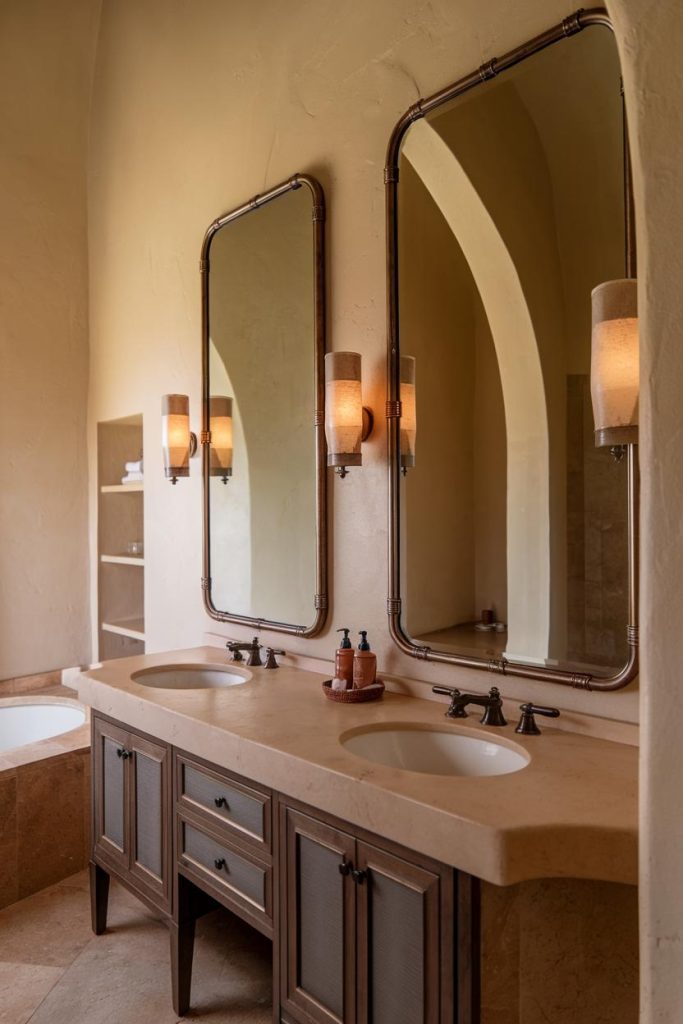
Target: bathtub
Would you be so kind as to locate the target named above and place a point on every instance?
(24, 721)
(44, 791)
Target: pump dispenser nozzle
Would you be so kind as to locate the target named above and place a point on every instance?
(363, 645)
(346, 644)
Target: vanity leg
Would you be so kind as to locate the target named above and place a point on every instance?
(182, 949)
(99, 898)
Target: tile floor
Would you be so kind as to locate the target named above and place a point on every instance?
(53, 970)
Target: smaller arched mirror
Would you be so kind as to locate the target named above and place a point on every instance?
(263, 393)
(513, 525)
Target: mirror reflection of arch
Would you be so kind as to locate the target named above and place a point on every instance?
(510, 213)
(231, 504)
(261, 354)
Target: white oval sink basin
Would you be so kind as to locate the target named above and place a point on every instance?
(188, 677)
(434, 751)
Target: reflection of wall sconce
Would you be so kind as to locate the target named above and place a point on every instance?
(220, 425)
(408, 413)
(615, 364)
(178, 442)
(347, 421)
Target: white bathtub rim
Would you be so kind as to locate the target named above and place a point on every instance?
(70, 742)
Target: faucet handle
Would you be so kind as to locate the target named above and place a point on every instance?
(234, 647)
(455, 710)
(270, 657)
(527, 723)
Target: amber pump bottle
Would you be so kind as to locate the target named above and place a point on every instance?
(364, 663)
(343, 659)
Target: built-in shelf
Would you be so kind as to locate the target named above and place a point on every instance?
(120, 523)
(133, 628)
(122, 559)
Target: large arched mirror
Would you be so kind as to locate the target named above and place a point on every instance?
(265, 537)
(513, 536)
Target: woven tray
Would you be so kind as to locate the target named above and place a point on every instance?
(373, 692)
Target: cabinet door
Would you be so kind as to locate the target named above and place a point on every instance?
(318, 913)
(397, 940)
(150, 835)
(111, 750)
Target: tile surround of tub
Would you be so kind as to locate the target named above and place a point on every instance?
(44, 823)
(30, 684)
(44, 800)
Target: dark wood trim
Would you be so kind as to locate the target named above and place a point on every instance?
(99, 897)
(467, 940)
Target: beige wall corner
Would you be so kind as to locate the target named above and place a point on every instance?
(46, 56)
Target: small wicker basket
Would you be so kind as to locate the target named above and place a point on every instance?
(360, 696)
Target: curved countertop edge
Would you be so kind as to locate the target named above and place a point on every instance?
(503, 852)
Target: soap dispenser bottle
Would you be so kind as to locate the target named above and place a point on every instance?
(364, 663)
(343, 660)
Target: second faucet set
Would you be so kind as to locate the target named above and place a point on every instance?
(493, 709)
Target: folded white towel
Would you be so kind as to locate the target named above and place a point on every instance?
(133, 467)
(132, 478)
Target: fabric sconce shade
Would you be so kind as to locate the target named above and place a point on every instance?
(615, 363)
(175, 435)
(343, 409)
(408, 413)
(220, 425)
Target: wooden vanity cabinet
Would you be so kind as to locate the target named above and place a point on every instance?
(370, 931)
(131, 813)
(364, 931)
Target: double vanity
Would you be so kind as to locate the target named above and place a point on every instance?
(215, 784)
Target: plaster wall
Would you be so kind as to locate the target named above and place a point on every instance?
(177, 139)
(46, 57)
(195, 111)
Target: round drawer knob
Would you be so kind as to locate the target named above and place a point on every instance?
(219, 863)
(220, 801)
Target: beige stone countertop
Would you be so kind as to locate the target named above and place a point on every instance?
(571, 812)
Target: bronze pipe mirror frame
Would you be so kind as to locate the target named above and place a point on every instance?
(321, 587)
(569, 26)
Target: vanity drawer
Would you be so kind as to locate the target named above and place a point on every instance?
(223, 801)
(233, 877)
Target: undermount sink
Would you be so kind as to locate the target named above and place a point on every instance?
(188, 677)
(434, 751)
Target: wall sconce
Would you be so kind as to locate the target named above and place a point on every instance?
(220, 425)
(408, 413)
(347, 421)
(177, 440)
(615, 364)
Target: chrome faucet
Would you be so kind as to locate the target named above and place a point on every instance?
(236, 647)
(491, 702)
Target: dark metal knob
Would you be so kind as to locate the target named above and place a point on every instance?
(123, 753)
(220, 801)
(527, 723)
(219, 863)
(345, 868)
(359, 875)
